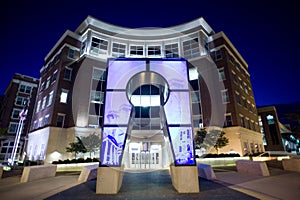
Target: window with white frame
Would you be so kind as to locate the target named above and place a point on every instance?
(35, 125)
(83, 47)
(97, 96)
(19, 101)
(154, 51)
(44, 102)
(50, 99)
(99, 74)
(225, 96)
(191, 48)
(42, 87)
(48, 81)
(172, 50)
(46, 119)
(40, 124)
(13, 126)
(15, 113)
(99, 46)
(218, 54)
(137, 51)
(64, 96)
(38, 106)
(25, 89)
(118, 50)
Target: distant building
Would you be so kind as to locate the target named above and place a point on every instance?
(70, 100)
(276, 136)
(22, 89)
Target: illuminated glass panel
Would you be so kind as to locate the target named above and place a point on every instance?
(175, 72)
(117, 108)
(120, 72)
(177, 108)
(182, 142)
(112, 145)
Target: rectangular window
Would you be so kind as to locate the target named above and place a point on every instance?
(225, 96)
(13, 126)
(50, 98)
(118, 50)
(35, 125)
(222, 74)
(191, 48)
(44, 102)
(60, 120)
(48, 82)
(242, 121)
(67, 73)
(238, 98)
(97, 97)
(20, 101)
(195, 96)
(99, 46)
(218, 54)
(38, 106)
(136, 51)
(71, 53)
(154, 51)
(46, 120)
(64, 96)
(54, 76)
(83, 47)
(42, 87)
(172, 50)
(99, 74)
(228, 120)
(25, 89)
(15, 113)
(40, 124)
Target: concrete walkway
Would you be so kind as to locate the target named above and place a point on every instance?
(157, 185)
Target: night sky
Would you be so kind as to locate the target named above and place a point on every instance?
(266, 34)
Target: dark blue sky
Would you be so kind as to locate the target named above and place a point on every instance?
(266, 34)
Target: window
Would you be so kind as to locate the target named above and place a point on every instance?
(118, 50)
(225, 97)
(15, 113)
(195, 96)
(38, 106)
(50, 98)
(60, 120)
(191, 48)
(222, 74)
(64, 96)
(83, 47)
(99, 74)
(97, 96)
(99, 46)
(35, 125)
(20, 101)
(54, 76)
(234, 77)
(44, 102)
(46, 120)
(42, 86)
(48, 82)
(172, 50)
(136, 51)
(25, 89)
(218, 54)
(67, 74)
(238, 98)
(40, 122)
(154, 51)
(13, 126)
(242, 121)
(71, 53)
(228, 120)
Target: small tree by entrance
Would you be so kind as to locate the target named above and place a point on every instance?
(91, 143)
(222, 141)
(76, 147)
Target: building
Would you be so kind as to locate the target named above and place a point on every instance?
(22, 89)
(276, 136)
(70, 100)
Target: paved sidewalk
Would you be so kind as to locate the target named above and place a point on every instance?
(157, 185)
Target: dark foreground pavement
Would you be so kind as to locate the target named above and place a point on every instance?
(150, 185)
